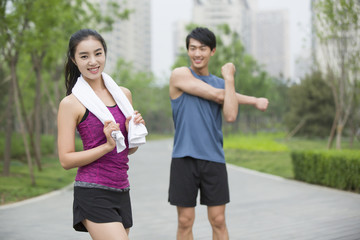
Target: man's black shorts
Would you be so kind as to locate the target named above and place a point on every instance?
(189, 175)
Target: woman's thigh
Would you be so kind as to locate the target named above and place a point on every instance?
(106, 231)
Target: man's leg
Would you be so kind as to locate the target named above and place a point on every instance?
(186, 217)
(216, 215)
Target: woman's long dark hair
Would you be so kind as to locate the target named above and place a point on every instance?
(71, 70)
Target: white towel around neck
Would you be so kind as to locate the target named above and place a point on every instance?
(86, 95)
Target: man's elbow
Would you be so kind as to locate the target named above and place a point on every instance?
(230, 118)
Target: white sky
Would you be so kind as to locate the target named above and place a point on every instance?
(165, 13)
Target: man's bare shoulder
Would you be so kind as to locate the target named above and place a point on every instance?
(180, 73)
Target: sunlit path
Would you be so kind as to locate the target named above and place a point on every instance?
(262, 207)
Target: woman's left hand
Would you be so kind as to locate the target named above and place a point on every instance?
(137, 119)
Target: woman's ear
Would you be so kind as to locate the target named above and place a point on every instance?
(73, 60)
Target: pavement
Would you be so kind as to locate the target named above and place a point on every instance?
(262, 206)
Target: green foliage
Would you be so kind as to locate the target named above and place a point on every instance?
(17, 145)
(311, 100)
(338, 169)
(337, 15)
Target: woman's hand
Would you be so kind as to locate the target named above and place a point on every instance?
(109, 127)
(137, 119)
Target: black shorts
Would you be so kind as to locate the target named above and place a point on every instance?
(101, 206)
(189, 175)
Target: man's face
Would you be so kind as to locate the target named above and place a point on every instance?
(199, 54)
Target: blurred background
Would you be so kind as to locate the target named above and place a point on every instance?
(302, 55)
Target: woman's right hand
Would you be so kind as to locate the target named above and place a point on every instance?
(109, 127)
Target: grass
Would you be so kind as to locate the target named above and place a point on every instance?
(18, 186)
(269, 153)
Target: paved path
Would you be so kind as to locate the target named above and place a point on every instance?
(262, 207)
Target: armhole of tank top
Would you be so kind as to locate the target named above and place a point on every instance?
(85, 116)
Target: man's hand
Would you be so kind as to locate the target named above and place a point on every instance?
(261, 104)
(228, 71)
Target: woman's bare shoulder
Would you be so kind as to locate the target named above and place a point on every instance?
(71, 103)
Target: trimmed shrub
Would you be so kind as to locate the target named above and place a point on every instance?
(337, 169)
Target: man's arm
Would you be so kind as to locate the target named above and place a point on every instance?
(259, 103)
(231, 105)
(181, 80)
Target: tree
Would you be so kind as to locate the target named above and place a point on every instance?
(310, 107)
(337, 26)
(14, 20)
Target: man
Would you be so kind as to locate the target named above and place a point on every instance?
(198, 101)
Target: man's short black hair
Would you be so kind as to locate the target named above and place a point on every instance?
(203, 35)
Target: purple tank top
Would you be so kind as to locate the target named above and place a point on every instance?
(111, 169)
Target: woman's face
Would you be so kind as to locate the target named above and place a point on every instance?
(90, 58)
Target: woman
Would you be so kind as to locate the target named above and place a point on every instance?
(101, 189)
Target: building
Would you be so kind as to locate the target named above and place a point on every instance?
(130, 39)
(271, 42)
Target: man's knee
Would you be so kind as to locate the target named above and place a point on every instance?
(218, 221)
(185, 221)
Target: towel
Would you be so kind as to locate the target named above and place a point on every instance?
(86, 95)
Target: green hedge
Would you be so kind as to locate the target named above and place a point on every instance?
(337, 169)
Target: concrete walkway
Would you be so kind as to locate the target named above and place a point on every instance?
(262, 207)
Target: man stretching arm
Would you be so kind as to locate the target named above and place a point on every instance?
(198, 100)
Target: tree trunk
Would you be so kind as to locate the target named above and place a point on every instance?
(9, 129)
(26, 120)
(339, 131)
(54, 104)
(296, 129)
(333, 130)
(23, 131)
(37, 109)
